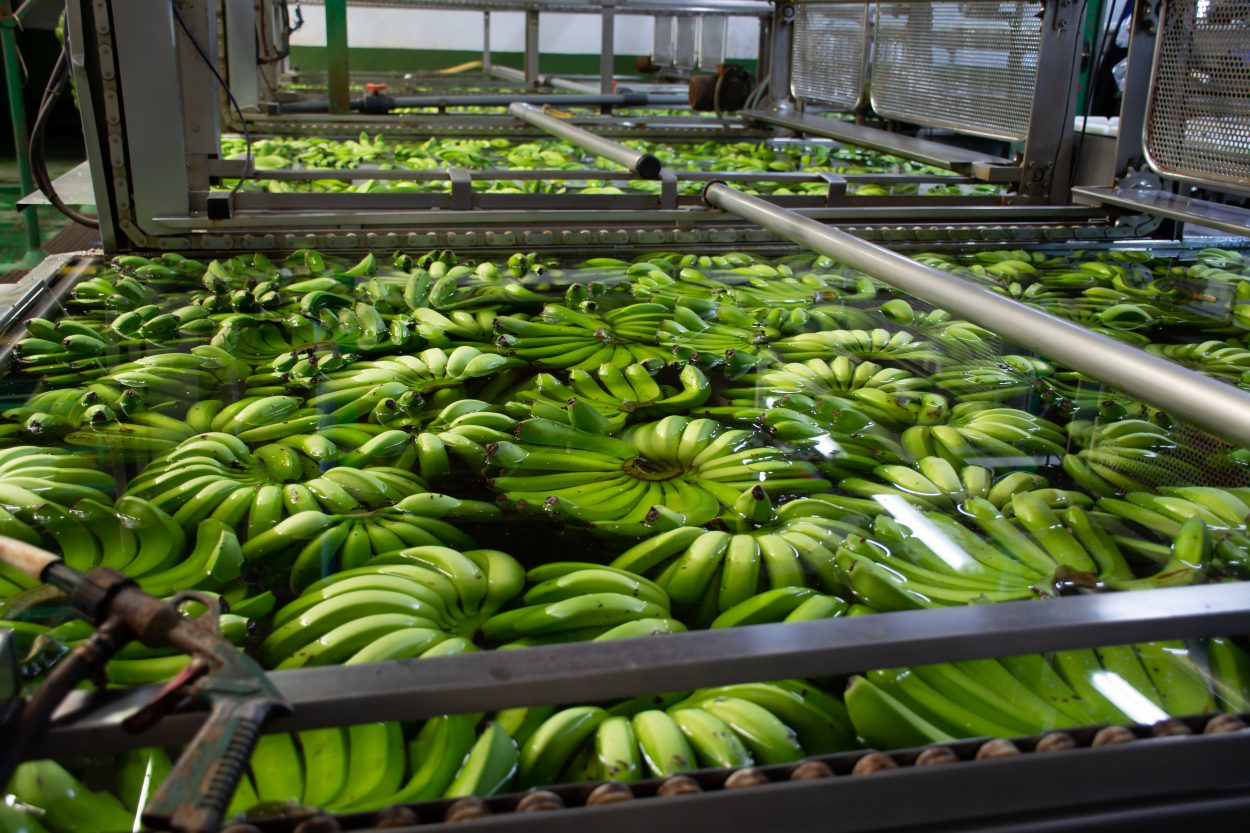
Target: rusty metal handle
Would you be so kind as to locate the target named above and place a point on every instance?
(25, 557)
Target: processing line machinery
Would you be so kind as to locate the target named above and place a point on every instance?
(982, 89)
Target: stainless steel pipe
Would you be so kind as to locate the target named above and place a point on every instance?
(1215, 406)
(643, 164)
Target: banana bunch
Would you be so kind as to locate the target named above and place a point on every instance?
(933, 483)
(1129, 455)
(51, 414)
(728, 726)
(419, 601)
(936, 324)
(605, 400)
(927, 559)
(113, 290)
(648, 281)
(877, 344)
(991, 380)
(562, 337)
(458, 326)
(31, 475)
(458, 440)
(216, 475)
(845, 439)
(897, 708)
(678, 467)
(840, 376)
(979, 429)
(1225, 512)
(794, 320)
(708, 572)
(690, 338)
(1214, 358)
(318, 544)
(177, 380)
(572, 601)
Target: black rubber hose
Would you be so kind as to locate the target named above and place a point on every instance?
(37, 147)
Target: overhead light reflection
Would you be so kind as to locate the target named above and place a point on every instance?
(827, 445)
(1127, 699)
(924, 529)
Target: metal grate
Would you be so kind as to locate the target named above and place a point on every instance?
(685, 41)
(967, 66)
(713, 31)
(1198, 121)
(828, 60)
(662, 46)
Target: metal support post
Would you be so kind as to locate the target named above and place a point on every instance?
(777, 70)
(1047, 168)
(486, 43)
(338, 64)
(17, 113)
(1141, 48)
(531, 48)
(607, 47)
(643, 164)
(1211, 404)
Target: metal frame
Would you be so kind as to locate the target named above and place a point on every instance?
(590, 672)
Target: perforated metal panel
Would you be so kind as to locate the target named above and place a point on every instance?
(713, 31)
(830, 40)
(968, 66)
(685, 42)
(662, 45)
(1198, 120)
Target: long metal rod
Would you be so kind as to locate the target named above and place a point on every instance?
(1216, 406)
(498, 100)
(1205, 213)
(644, 165)
(592, 672)
(921, 150)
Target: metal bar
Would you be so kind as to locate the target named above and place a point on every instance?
(228, 169)
(338, 62)
(734, 8)
(42, 301)
(555, 212)
(1214, 215)
(496, 100)
(1216, 406)
(592, 672)
(1047, 168)
(1135, 784)
(644, 165)
(21, 137)
(486, 63)
(531, 48)
(573, 86)
(1141, 47)
(607, 46)
(921, 150)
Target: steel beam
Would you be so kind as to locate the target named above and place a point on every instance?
(1214, 215)
(1209, 403)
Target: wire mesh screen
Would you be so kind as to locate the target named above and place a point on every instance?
(1198, 123)
(662, 46)
(713, 30)
(828, 57)
(967, 66)
(685, 42)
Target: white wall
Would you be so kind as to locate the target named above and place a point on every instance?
(571, 34)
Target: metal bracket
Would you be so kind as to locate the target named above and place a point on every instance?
(461, 189)
(668, 189)
(836, 194)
